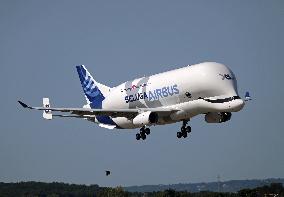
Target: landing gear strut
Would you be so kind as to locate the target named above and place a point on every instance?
(143, 132)
(184, 130)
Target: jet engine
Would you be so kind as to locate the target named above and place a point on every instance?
(146, 118)
(217, 117)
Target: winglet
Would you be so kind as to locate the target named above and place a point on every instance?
(23, 104)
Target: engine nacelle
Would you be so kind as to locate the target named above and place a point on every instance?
(146, 118)
(217, 117)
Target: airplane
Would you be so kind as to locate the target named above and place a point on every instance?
(208, 89)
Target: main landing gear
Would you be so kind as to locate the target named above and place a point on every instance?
(143, 132)
(184, 130)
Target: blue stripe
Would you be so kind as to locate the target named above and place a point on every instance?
(94, 95)
(92, 92)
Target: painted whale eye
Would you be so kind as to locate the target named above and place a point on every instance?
(187, 94)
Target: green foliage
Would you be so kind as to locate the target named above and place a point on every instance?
(38, 189)
(32, 189)
(273, 189)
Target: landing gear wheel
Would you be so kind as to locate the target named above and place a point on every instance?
(188, 129)
(143, 136)
(138, 136)
(147, 131)
(179, 134)
(143, 133)
(184, 130)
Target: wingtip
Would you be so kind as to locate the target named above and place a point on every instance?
(23, 104)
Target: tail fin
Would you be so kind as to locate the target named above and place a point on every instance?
(94, 91)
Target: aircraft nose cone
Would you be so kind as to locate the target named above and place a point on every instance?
(237, 105)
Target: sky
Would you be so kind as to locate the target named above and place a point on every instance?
(41, 42)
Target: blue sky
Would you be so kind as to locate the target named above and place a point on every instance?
(42, 41)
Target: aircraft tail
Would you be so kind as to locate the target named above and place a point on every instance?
(94, 92)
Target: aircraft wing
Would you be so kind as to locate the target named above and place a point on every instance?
(86, 112)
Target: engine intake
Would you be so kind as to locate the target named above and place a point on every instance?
(146, 118)
(218, 117)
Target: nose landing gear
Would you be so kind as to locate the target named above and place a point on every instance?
(184, 130)
(143, 132)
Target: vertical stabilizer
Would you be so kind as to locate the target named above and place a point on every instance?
(95, 92)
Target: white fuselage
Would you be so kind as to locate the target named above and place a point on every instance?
(192, 90)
